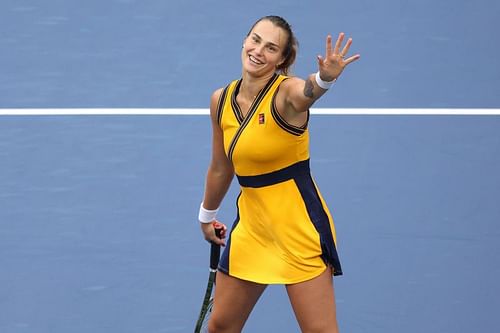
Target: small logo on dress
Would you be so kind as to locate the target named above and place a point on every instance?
(261, 118)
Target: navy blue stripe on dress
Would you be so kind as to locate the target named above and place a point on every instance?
(275, 177)
(235, 106)
(320, 220)
(224, 260)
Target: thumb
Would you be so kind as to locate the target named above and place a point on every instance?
(321, 60)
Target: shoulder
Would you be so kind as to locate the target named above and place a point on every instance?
(219, 93)
(290, 83)
(290, 92)
(216, 96)
(214, 103)
(291, 89)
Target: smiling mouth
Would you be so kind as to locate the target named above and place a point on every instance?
(255, 60)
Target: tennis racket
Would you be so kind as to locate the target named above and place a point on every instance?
(208, 300)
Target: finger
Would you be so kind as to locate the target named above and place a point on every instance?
(218, 241)
(219, 225)
(352, 59)
(220, 230)
(223, 233)
(338, 43)
(321, 61)
(328, 45)
(345, 50)
(212, 238)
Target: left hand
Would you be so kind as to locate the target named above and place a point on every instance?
(333, 63)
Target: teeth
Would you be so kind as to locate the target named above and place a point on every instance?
(253, 59)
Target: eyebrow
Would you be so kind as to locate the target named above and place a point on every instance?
(276, 45)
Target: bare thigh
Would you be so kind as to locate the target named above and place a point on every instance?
(234, 299)
(313, 303)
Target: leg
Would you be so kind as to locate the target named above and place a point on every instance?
(313, 303)
(234, 299)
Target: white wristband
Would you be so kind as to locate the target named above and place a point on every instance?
(323, 84)
(207, 216)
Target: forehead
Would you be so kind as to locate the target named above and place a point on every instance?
(270, 32)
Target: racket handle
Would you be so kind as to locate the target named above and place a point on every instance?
(215, 251)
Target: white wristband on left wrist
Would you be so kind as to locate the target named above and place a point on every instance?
(207, 215)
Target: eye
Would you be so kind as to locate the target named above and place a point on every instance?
(272, 48)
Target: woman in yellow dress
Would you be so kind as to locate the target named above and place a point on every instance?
(283, 232)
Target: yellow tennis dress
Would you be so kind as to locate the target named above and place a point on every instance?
(283, 232)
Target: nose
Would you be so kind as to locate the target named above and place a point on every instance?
(259, 48)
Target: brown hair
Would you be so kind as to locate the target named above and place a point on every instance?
(290, 50)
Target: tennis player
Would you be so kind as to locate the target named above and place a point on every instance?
(283, 232)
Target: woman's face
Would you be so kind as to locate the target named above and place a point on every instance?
(263, 48)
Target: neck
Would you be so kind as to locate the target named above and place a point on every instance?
(251, 85)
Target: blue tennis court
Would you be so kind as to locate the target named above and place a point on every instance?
(98, 229)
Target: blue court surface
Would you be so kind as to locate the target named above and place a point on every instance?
(98, 229)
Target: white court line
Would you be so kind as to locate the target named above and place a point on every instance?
(205, 111)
